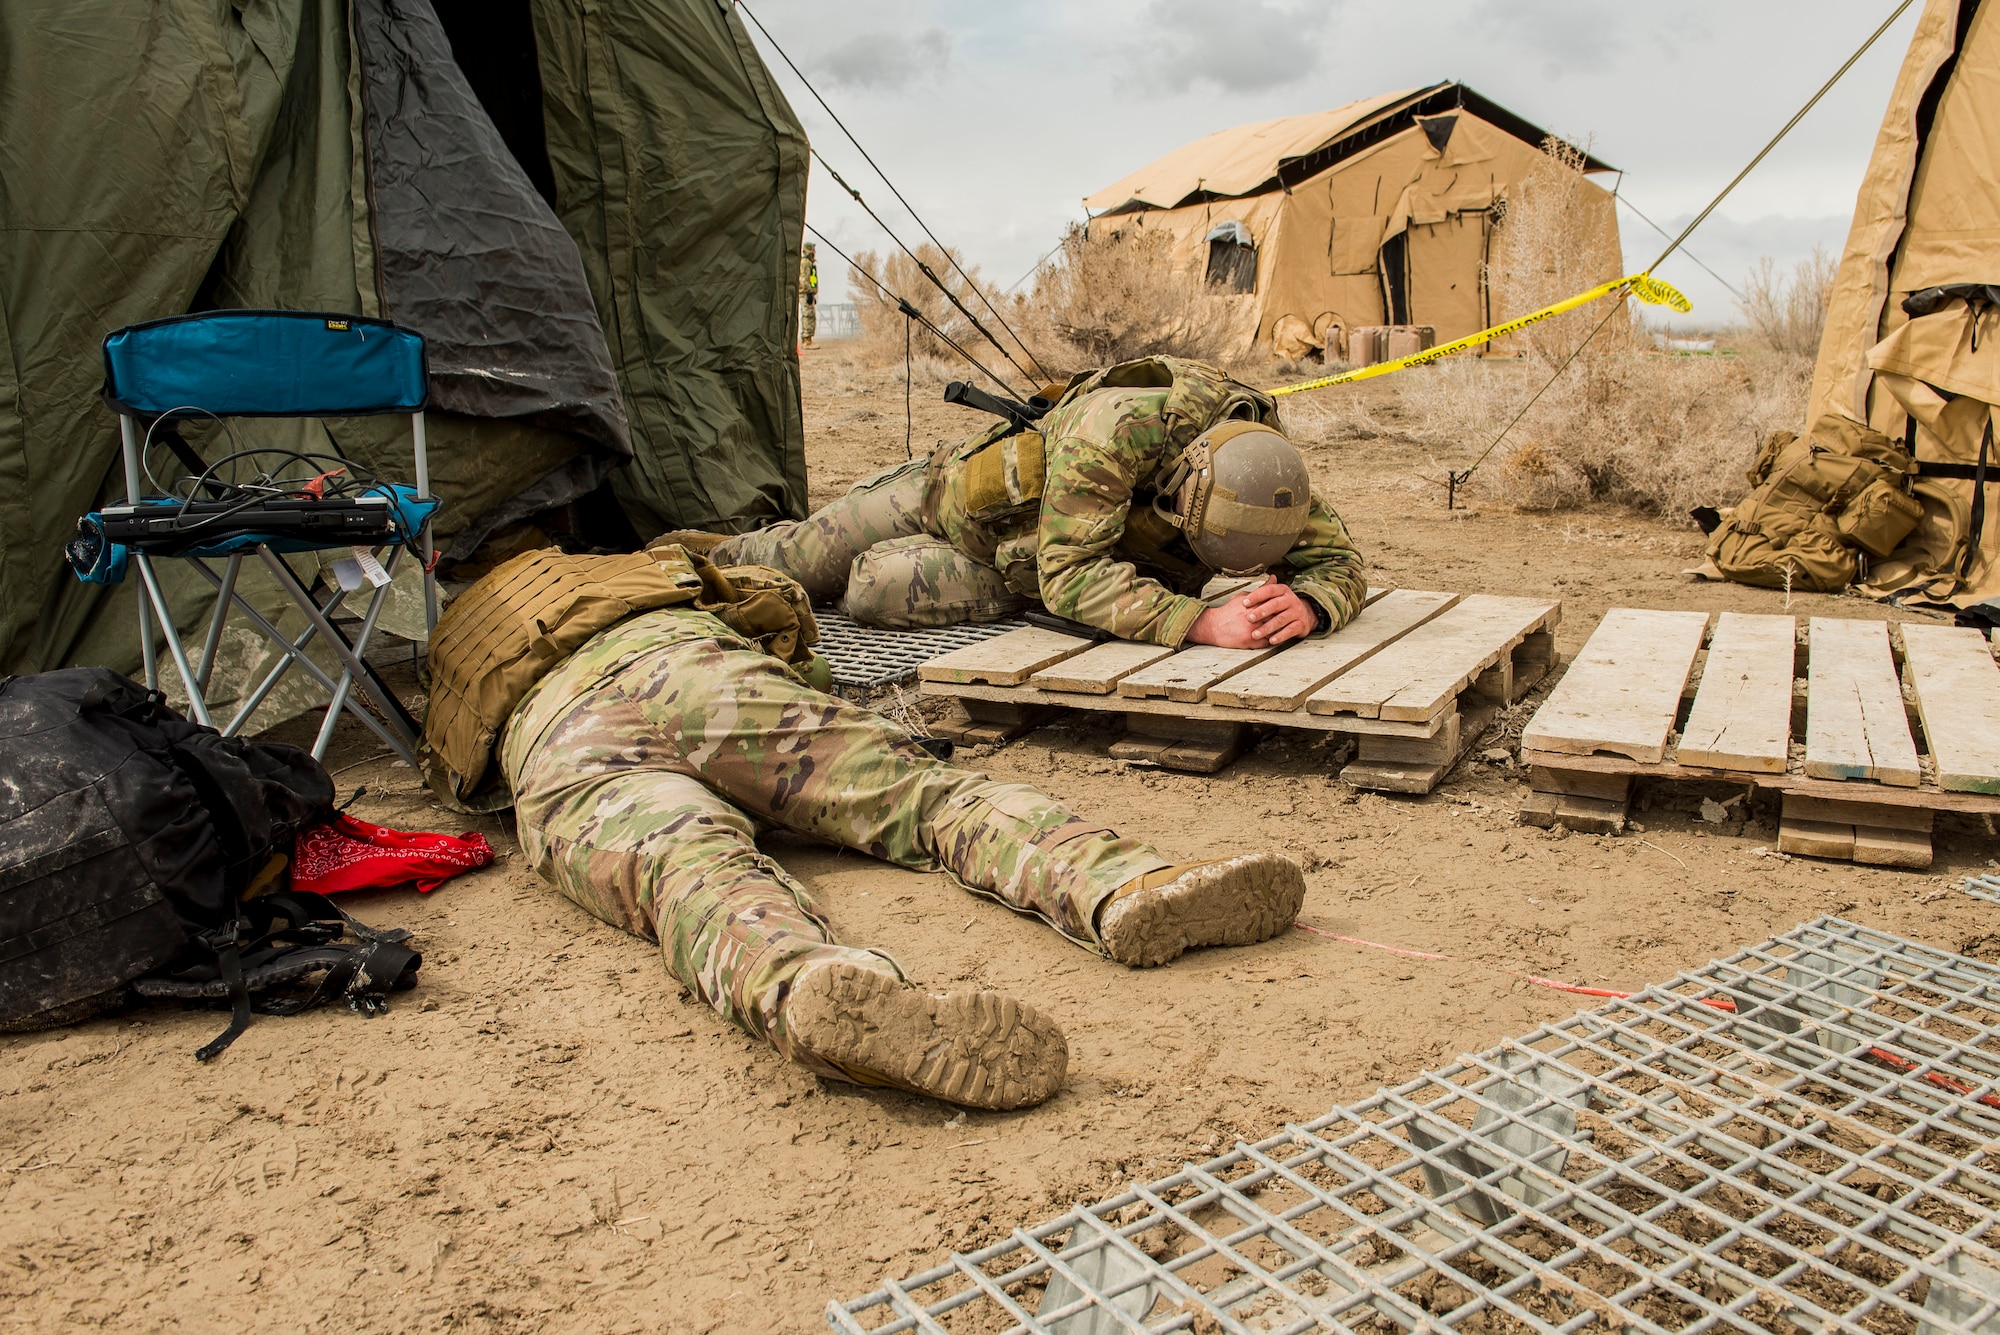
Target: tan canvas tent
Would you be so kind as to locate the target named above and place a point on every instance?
(1384, 211)
(1926, 232)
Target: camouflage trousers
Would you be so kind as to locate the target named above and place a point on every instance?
(870, 552)
(643, 766)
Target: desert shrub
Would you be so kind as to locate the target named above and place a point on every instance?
(1550, 243)
(1658, 432)
(1788, 314)
(1108, 298)
(1324, 417)
(1622, 422)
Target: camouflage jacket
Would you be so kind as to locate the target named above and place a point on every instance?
(1076, 546)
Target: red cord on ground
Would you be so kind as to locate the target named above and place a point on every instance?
(1719, 1003)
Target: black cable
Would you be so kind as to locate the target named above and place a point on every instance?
(909, 421)
(911, 312)
(167, 419)
(745, 10)
(360, 480)
(923, 268)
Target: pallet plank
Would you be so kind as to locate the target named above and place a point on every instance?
(1958, 697)
(1891, 848)
(1097, 671)
(1005, 660)
(1624, 688)
(1937, 799)
(1296, 718)
(1419, 675)
(1856, 727)
(1742, 716)
(1816, 839)
(1187, 675)
(1878, 815)
(1284, 680)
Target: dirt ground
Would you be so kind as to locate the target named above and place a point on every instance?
(546, 1136)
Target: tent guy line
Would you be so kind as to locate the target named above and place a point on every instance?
(910, 312)
(922, 267)
(1777, 138)
(1455, 480)
(1641, 215)
(744, 9)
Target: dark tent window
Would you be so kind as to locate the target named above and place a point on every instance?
(493, 42)
(1232, 258)
(1396, 277)
(1438, 130)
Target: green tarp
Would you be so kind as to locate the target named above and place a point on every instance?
(158, 156)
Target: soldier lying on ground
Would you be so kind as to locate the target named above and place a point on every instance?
(647, 715)
(1143, 482)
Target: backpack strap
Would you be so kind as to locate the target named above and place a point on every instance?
(229, 962)
(282, 938)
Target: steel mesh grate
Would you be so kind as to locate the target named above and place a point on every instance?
(1983, 887)
(1805, 1136)
(864, 658)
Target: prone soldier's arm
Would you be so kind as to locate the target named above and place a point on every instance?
(1084, 502)
(1327, 568)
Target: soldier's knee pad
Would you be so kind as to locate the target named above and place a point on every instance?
(924, 581)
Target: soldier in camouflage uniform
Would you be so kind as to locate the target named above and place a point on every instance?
(808, 294)
(922, 545)
(642, 766)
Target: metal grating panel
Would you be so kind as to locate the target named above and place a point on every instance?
(1801, 1137)
(864, 658)
(1983, 887)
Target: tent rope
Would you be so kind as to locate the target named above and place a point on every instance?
(1641, 213)
(922, 267)
(1455, 480)
(910, 312)
(953, 260)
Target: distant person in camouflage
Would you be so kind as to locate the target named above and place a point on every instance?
(1114, 512)
(808, 294)
(642, 764)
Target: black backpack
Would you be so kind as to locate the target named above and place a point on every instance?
(135, 847)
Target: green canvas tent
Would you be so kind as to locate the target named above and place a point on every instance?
(591, 212)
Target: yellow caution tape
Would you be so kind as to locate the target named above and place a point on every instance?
(1641, 285)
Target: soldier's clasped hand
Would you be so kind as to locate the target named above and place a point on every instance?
(1270, 614)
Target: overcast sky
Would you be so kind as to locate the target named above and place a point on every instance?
(995, 117)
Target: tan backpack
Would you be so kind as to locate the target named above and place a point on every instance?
(1818, 506)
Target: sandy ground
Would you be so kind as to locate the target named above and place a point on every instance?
(546, 1136)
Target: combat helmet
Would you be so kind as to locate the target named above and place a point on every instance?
(1240, 494)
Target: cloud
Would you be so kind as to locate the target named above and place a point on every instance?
(1563, 36)
(886, 60)
(1237, 45)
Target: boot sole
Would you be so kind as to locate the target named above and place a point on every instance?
(1237, 902)
(979, 1049)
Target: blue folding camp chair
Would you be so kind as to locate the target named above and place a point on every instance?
(234, 363)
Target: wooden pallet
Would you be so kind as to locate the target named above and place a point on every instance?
(1415, 677)
(1833, 716)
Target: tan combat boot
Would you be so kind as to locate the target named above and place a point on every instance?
(1228, 902)
(981, 1049)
